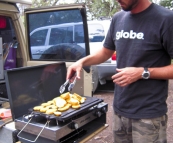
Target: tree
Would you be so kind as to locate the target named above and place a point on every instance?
(40, 3)
(97, 9)
(167, 4)
(155, 1)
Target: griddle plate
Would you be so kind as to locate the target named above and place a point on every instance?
(70, 113)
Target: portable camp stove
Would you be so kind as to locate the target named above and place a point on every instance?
(30, 86)
(36, 128)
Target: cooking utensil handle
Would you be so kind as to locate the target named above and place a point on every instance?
(37, 135)
(72, 84)
(62, 87)
(67, 81)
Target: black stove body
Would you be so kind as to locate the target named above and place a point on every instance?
(30, 86)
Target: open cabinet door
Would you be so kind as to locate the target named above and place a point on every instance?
(56, 34)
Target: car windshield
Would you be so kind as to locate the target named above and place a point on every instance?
(56, 35)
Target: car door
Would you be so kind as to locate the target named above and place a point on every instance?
(53, 44)
(38, 42)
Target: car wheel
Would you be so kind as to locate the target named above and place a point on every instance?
(65, 51)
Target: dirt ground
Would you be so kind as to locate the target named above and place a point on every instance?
(105, 136)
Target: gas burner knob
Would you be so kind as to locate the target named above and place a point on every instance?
(104, 109)
(74, 125)
(98, 113)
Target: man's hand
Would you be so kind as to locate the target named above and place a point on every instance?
(128, 75)
(76, 67)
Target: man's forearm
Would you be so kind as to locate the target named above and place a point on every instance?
(90, 60)
(161, 72)
(128, 75)
(97, 58)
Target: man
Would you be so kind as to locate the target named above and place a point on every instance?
(142, 35)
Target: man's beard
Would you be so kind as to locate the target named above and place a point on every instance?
(131, 6)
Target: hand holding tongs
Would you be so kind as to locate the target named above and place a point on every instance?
(71, 85)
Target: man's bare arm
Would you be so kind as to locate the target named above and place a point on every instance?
(94, 59)
(99, 57)
(128, 75)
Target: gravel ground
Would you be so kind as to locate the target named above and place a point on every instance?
(106, 135)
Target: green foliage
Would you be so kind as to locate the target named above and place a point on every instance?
(97, 8)
(155, 1)
(166, 3)
(100, 8)
(40, 3)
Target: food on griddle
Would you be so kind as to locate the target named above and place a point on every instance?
(51, 111)
(77, 96)
(37, 108)
(65, 95)
(66, 107)
(76, 106)
(82, 100)
(51, 102)
(57, 113)
(48, 103)
(51, 107)
(45, 104)
(43, 109)
(60, 104)
(73, 101)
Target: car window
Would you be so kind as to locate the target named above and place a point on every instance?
(38, 38)
(6, 29)
(96, 32)
(79, 34)
(61, 35)
(56, 35)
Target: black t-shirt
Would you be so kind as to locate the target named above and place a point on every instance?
(142, 40)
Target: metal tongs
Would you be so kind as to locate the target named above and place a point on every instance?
(71, 85)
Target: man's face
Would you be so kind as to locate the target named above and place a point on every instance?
(128, 5)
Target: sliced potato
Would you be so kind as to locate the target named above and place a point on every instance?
(77, 95)
(45, 104)
(73, 101)
(66, 107)
(51, 111)
(57, 113)
(60, 102)
(37, 108)
(82, 100)
(51, 102)
(43, 109)
(76, 106)
(65, 95)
